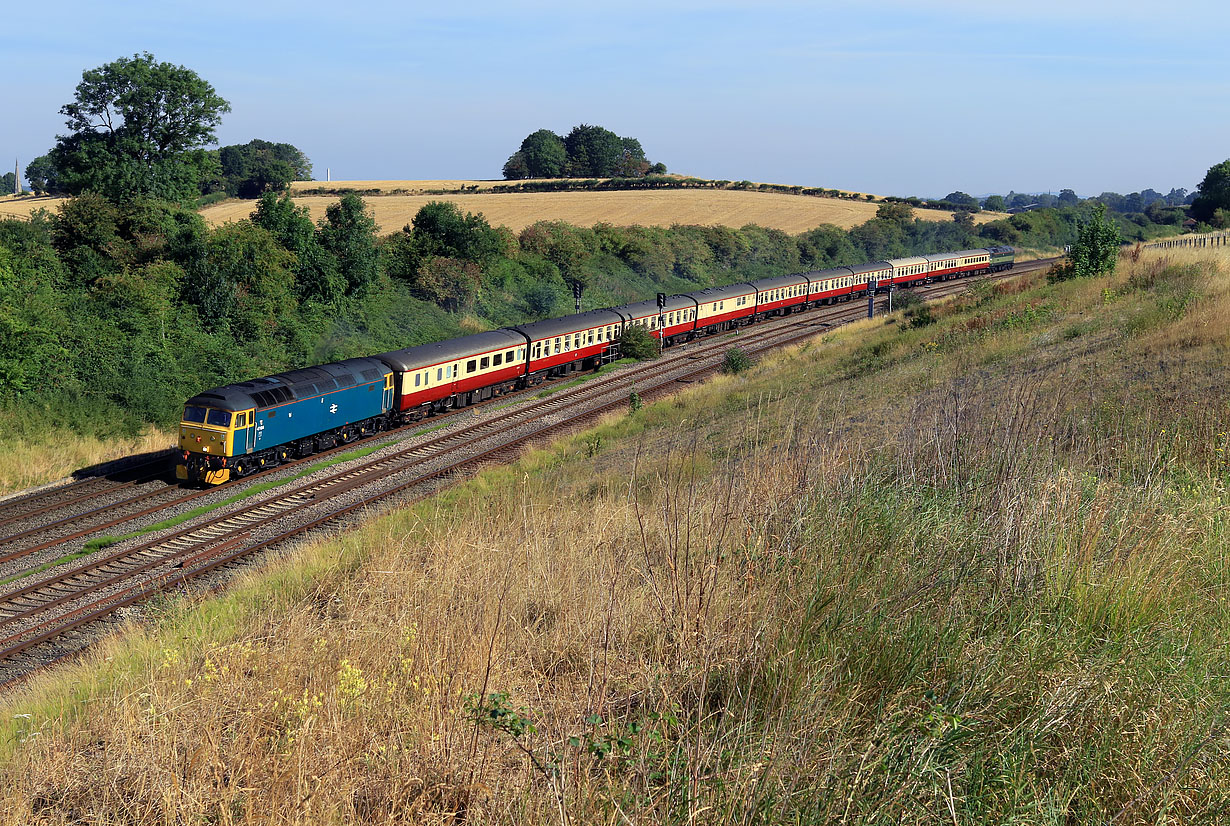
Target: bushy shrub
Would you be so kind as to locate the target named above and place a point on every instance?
(637, 343)
(736, 361)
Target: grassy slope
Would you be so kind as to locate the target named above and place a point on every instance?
(34, 458)
(976, 572)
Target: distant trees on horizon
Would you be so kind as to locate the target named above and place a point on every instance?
(585, 152)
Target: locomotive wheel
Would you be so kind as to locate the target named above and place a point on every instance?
(239, 469)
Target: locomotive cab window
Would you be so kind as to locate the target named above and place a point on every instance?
(193, 413)
(219, 418)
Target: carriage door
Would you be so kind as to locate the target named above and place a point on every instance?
(388, 392)
(249, 429)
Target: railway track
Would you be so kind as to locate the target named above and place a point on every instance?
(22, 507)
(36, 616)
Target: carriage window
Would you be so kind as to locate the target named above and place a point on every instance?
(509, 356)
(471, 366)
(439, 374)
(498, 359)
(557, 345)
(417, 378)
(485, 363)
(454, 371)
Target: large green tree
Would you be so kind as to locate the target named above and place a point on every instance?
(564, 245)
(994, 203)
(42, 176)
(542, 155)
(1214, 192)
(137, 127)
(258, 166)
(593, 152)
(348, 231)
(316, 271)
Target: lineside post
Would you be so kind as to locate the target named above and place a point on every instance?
(871, 298)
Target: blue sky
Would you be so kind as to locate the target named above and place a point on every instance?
(886, 96)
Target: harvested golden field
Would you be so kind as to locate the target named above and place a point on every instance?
(408, 187)
(12, 207)
(789, 213)
(428, 186)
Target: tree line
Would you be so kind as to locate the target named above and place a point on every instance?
(111, 313)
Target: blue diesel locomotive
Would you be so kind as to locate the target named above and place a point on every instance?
(233, 430)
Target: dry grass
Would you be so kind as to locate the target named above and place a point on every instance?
(31, 461)
(789, 213)
(971, 582)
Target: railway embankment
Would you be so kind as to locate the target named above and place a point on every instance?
(964, 563)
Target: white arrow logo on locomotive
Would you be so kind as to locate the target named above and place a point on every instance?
(333, 408)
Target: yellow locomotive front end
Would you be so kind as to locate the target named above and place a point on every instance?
(207, 444)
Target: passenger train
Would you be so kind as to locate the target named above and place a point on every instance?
(234, 430)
